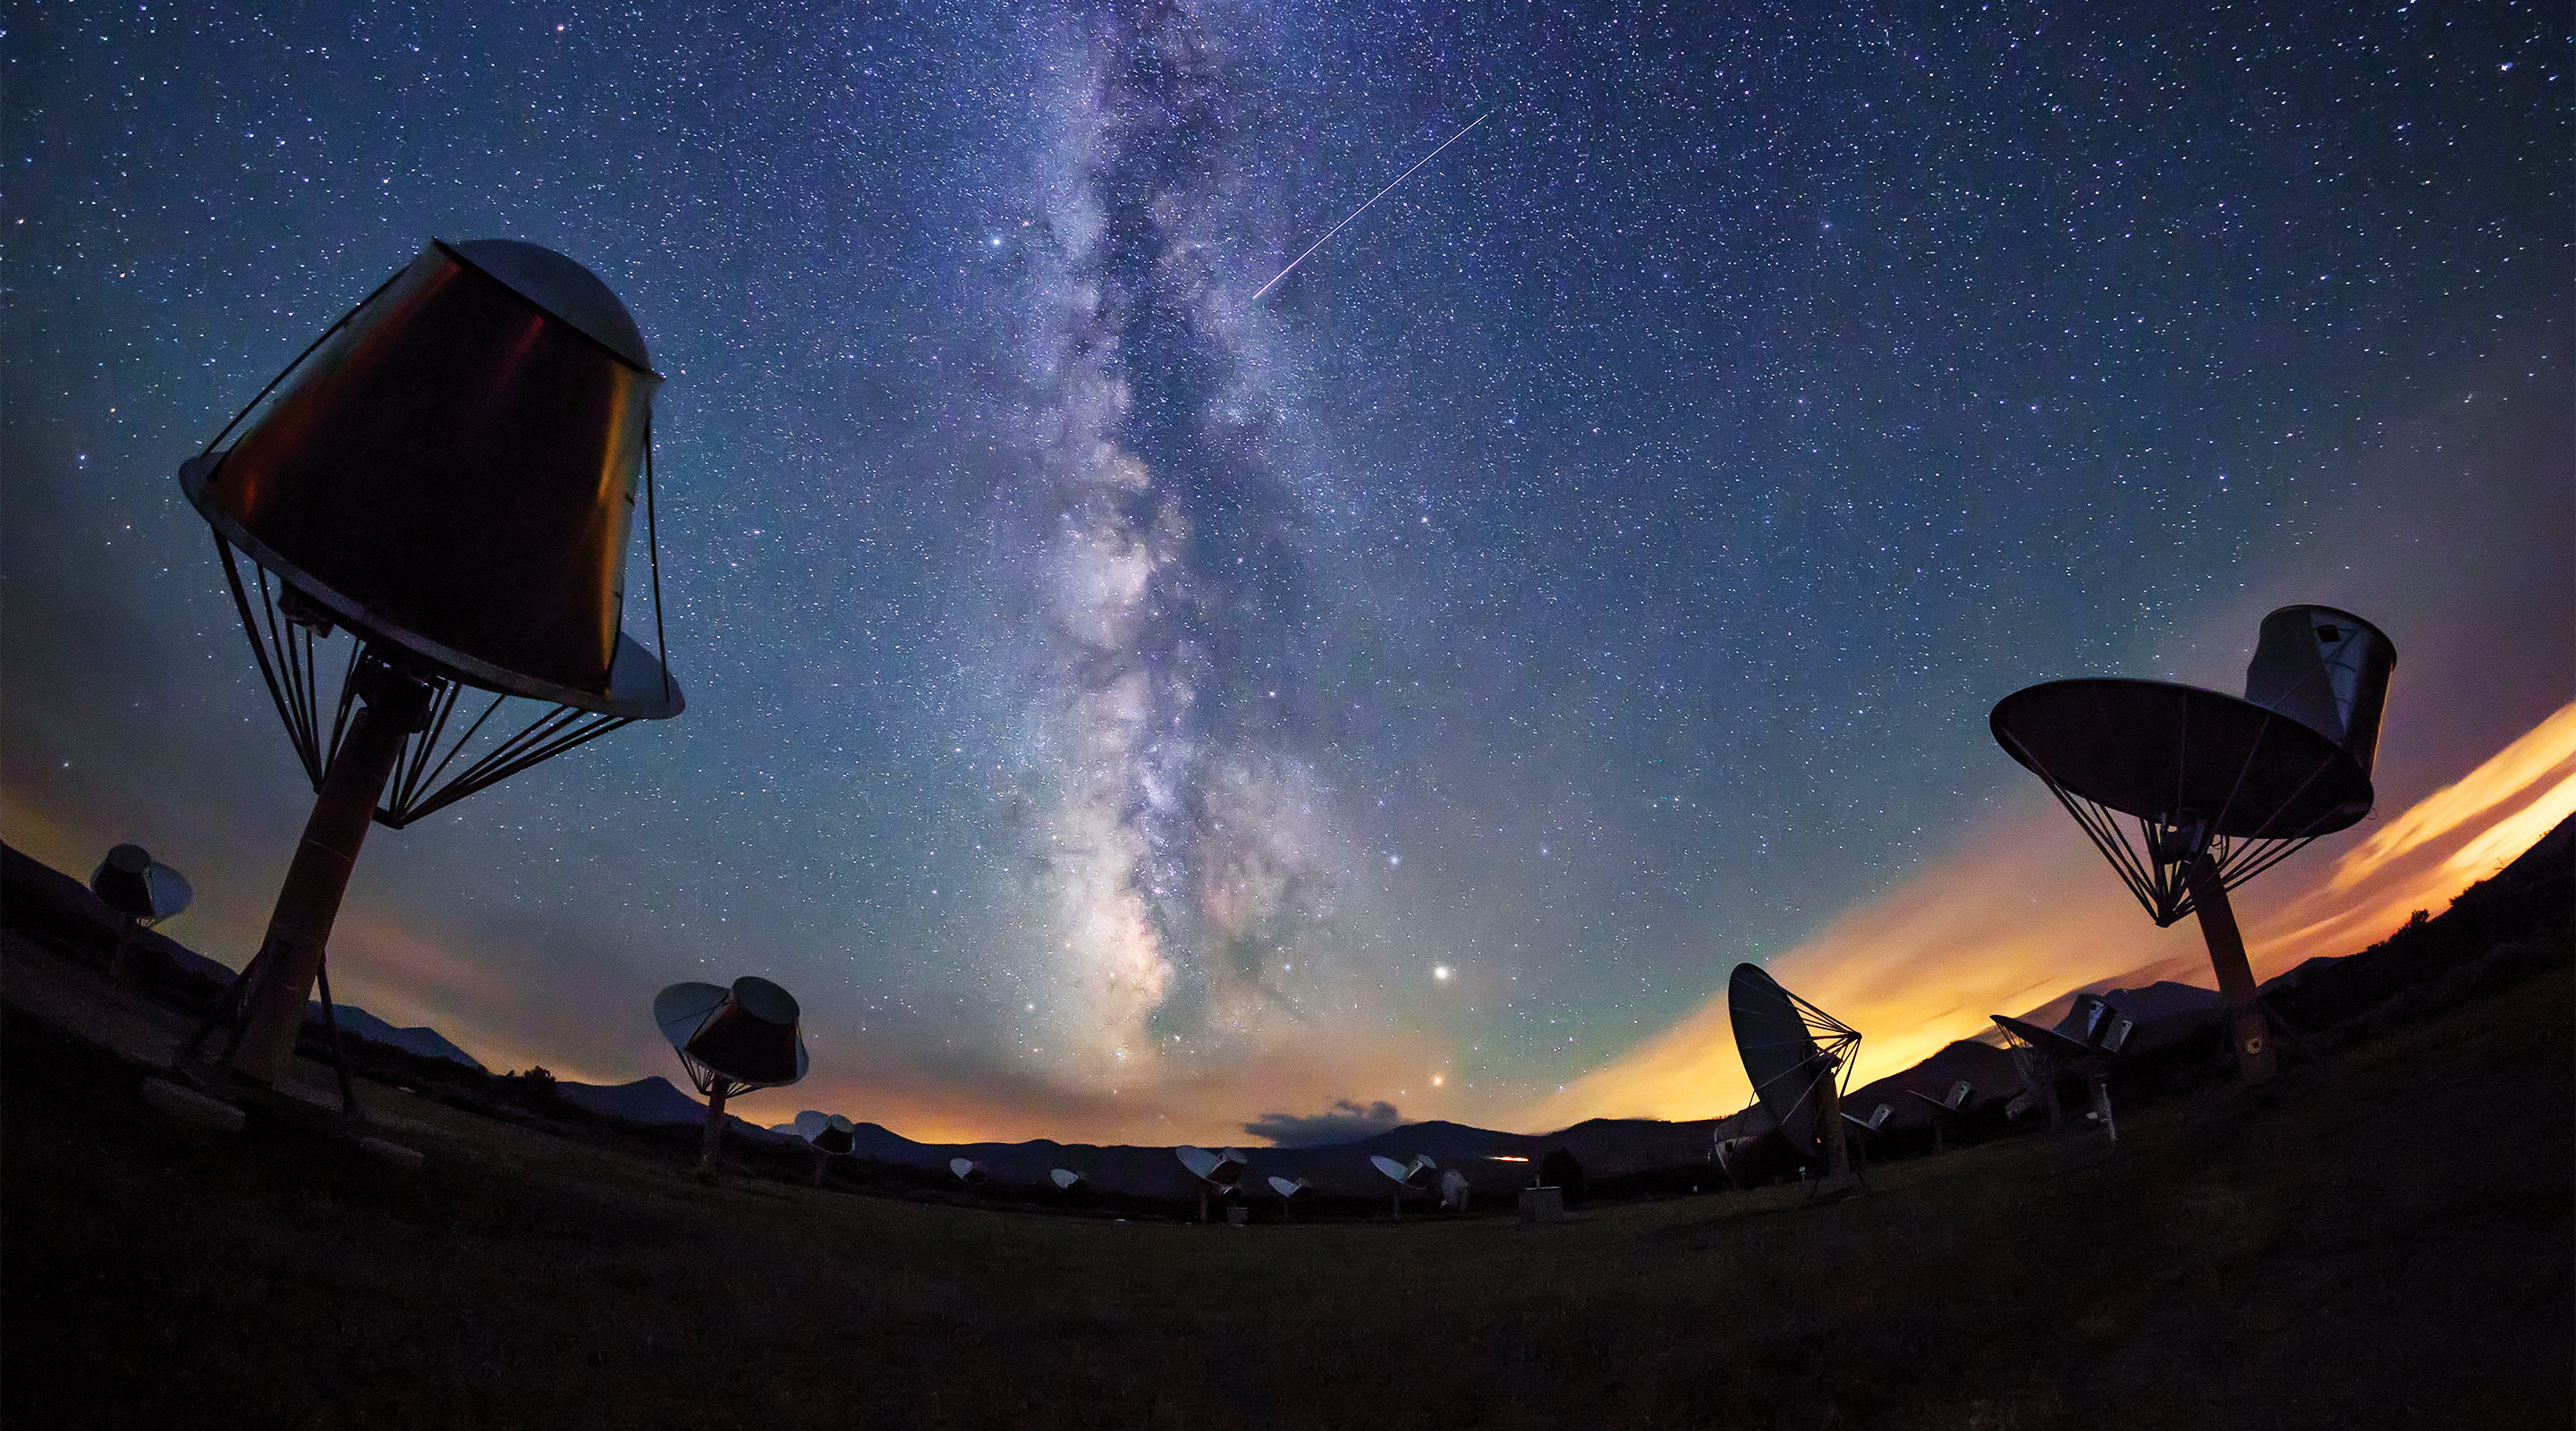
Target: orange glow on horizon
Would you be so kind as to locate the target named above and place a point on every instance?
(2024, 912)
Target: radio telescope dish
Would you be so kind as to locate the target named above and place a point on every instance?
(139, 887)
(967, 1171)
(829, 1133)
(1290, 1188)
(1406, 1175)
(1799, 1059)
(2218, 789)
(1065, 1179)
(1944, 1109)
(731, 1041)
(449, 474)
(1217, 1172)
(2041, 1054)
(142, 891)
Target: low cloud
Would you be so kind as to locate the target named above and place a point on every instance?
(1344, 1122)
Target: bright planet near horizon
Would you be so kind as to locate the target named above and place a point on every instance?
(1182, 637)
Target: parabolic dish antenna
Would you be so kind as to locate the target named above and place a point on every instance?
(2099, 1034)
(731, 1041)
(967, 1171)
(2218, 789)
(1406, 1175)
(1217, 1172)
(1290, 1188)
(142, 890)
(1798, 1058)
(828, 1132)
(1065, 1179)
(139, 887)
(1217, 1169)
(449, 474)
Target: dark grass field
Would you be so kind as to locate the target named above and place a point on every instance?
(2388, 1239)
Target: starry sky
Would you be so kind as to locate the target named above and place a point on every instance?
(1121, 707)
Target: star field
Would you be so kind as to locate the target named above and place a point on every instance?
(1590, 568)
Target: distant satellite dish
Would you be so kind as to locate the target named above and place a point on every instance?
(1944, 1108)
(145, 891)
(1405, 1175)
(139, 887)
(1798, 1058)
(1065, 1179)
(2219, 789)
(1217, 1172)
(1290, 1188)
(2093, 1035)
(968, 1171)
(829, 1133)
(731, 1041)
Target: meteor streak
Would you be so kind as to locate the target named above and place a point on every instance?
(1362, 209)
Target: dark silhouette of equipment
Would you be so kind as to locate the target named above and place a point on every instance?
(2092, 1036)
(1799, 1059)
(731, 1041)
(1407, 1176)
(142, 891)
(1218, 1173)
(1945, 1108)
(2218, 789)
(829, 1135)
(449, 474)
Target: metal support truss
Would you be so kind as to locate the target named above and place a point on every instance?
(286, 635)
(1834, 1039)
(2152, 863)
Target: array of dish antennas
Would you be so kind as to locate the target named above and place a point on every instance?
(1217, 1172)
(1945, 1108)
(2085, 1043)
(968, 1171)
(1799, 1059)
(1406, 1175)
(449, 475)
(141, 890)
(2217, 789)
(731, 1041)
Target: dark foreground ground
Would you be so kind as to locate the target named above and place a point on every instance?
(2385, 1240)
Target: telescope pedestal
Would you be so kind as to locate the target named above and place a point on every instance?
(299, 929)
(715, 1132)
(2255, 1061)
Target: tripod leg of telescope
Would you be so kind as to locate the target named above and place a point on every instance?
(300, 927)
(2255, 1062)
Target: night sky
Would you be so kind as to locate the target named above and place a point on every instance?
(1120, 708)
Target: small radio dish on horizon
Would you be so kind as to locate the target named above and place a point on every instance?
(828, 1132)
(140, 887)
(1220, 1170)
(967, 1171)
(1404, 1175)
(1065, 1179)
(1290, 1188)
